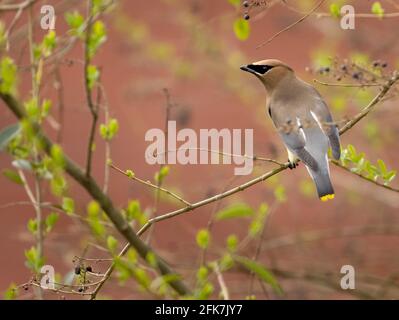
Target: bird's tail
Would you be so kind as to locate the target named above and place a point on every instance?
(323, 184)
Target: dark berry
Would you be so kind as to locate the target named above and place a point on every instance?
(246, 16)
(356, 75)
(89, 269)
(376, 64)
(80, 289)
(77, 270)
(384, 65)
(246, 4)
(344, 67)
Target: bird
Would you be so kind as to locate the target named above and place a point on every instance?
(302, 119)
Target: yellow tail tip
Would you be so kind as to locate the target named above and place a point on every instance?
(327, 197)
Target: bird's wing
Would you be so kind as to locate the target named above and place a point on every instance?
(322, 116)
(291, 131)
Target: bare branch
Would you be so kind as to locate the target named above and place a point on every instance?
(291, 25)
(149, 184)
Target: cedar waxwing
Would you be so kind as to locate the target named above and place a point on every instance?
(302, 119)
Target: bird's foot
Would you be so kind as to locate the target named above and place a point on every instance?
(293, 165)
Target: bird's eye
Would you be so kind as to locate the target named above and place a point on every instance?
(261, 69)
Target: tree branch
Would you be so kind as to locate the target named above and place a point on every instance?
(90, 185)
(338, 164)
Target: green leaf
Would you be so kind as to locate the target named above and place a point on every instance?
(112, 244)
(33, 260)
(58, 185)
(142, 277)
(8, 76)
(51, 220)
(46, 107)
(335, 10)
(382, 166)
(352, 151)
(75, 22)
(226, 262)
(68, 205)
(241, 29)
(133, 212)
(32, 226)
(32, 109)
(93, 212)
(390, 176)
(235, 211)
(263, 274)
(11, 292)
(377, 9)
(93, 74)
(205, 292)
(255, 227)
(12, 176)
(113, 127)
(93, 208)
(203, 238)
(49, 43)
(202, 274)
(151, 259)
(98, 37)
(7, 134)
(162, 174)
(232, 242)
(57, 155)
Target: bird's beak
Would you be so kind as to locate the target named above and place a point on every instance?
(248, 68)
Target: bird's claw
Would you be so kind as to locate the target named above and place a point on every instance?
(292, 165)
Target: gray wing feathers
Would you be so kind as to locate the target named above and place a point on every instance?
(333, 136)
(325, 121)
(296, 142)
(317, 145)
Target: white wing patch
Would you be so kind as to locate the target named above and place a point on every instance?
(316, 119)
(300, 128)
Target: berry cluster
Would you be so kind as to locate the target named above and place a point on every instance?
(248, 5)
(345, 69)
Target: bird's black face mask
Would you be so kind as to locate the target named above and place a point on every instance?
(256, 68)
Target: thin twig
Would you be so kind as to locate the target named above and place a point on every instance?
(338, 164)
(16, 6)
(92, 107)
(222, 283)
(349, 85)
(291, 25)
(149, 184)
(107, 142)
(371, 105)
(168, 108)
